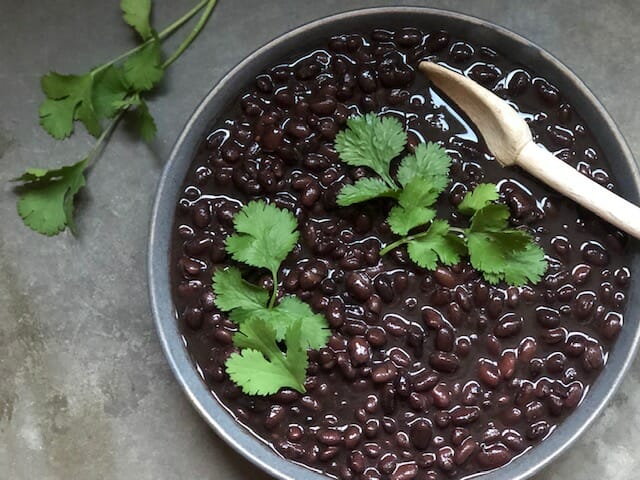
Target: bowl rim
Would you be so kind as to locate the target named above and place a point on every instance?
(215, 413)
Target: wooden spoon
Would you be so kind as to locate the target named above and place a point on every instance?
(509, 139)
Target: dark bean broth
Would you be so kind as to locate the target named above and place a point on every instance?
(427, 375)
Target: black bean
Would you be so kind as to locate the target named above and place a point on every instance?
(594, 254)
(445, 339)
(275, 416)
(352, 436)
(518, 82)
(425, 381)
(399, 357)
(444, 362)
(488, 373)
(513, 440)
(508, 325)
(329, 437)
(548, 317)
(384, 373)
(494, 456)
(408, 37)
(467, 448)
(461, 52)
(507, 364)
(387, 463)
(560, 136)
(555, 362)
(445, 277)
(383, 286)
(584, 304)
(527, 350)
(358, 285)
(421, 433)
(376, 336)
(611, 325)
(441, 396)
(537, 430)
(406, 471)
(192, 316)
(445, 459)
(574, 395)
(593, 358)
(437, 41)
(359, 351)
(484, 73)
(547, 92)
(465, 415)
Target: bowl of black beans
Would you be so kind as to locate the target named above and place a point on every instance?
(346, 283)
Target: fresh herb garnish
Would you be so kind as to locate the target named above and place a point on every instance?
(264, 236)
(500, 252)
(110, 91)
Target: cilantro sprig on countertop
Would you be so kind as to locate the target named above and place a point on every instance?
(264, 236)
(498, 251)
(105, 94)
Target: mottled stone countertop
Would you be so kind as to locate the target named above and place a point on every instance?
(85, 391)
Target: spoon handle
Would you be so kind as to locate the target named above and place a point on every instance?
(565, 179)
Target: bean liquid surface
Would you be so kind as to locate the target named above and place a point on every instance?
(428, 374)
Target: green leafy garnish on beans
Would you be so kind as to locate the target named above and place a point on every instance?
(273, 337)
(498, 251)
(98, 99)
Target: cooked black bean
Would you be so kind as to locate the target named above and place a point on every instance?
(508, 325)
(421, 433)
(494, 456)
(417, 359)
(444, 362)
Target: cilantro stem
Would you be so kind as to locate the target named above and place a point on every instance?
(162, 35)
(194, 33)
(93, 153)
(399, 242)
(415, 236)
(274, 293)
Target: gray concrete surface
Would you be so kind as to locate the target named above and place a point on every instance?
(85, 392)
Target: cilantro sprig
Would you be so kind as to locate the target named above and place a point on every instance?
(98, 99)
(498, 251)
(264, 236)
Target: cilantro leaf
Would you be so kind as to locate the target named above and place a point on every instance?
(429, 160)
(480, 197)
(371, 141)
(363, 190)
(57, 86)
(56, 117)
(136, 14)
(46, 197)
(142, 121)
(503, 253)
(265, 234)
(496, 255)
(436, 243)
(493, 217)
(402, 220)
(313, 327)
(419, 192)
(109, 89)
(143, 70)
(232, 292)
(261, 368)
(525, 265)
(69, 98)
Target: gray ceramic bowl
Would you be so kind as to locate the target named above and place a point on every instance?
(304, 39)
